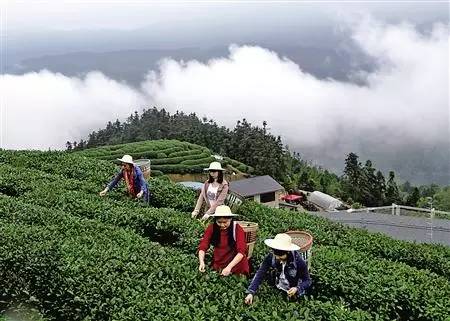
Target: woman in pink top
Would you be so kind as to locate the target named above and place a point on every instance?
(214, 191)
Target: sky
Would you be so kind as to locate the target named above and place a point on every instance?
(28, 16)
(403, 106)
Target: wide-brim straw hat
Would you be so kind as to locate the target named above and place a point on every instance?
(214, 166)
(282, 242)
(126, 159)
(223, 211)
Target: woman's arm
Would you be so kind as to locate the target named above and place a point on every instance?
(199, 203)
(115, 181)
(257, 279)
(141, 179)
(304, 280)
(201, 260)
(241, 248)
(227, 270)
(203, 247)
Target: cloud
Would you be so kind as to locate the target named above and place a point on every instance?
(43, 110)
(404, 103)
(407, 95)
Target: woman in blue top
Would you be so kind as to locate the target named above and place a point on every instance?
(283, 267)
(133, 177)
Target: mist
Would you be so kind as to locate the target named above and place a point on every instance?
(399, 119)
(44, 110)
(401, 113)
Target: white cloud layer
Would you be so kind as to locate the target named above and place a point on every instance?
(404, 102)
(43, 110)
(407, 97)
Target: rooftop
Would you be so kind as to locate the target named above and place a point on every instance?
(255, 186)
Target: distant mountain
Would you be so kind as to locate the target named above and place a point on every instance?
(131, 66)
(431, 164)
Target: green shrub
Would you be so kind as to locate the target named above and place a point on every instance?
(199, 161)
(168, 194)
(357, 205)
(92, 271)
(82, 257)
(156, 173)
(186, 153)
(242, 168)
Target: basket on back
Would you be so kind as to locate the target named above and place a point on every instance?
(250, 229)
(304, 240)
(144, 165)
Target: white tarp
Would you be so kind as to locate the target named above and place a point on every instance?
(325, 201)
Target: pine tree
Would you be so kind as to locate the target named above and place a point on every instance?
(369, 185)
(352, 178)
(392, 192)
(413, 198)
(381, 184)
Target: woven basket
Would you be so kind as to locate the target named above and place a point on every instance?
(250, 229)
(250, 248)
(304, 240)
(144, 165)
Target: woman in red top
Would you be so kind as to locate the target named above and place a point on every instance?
(228, 239)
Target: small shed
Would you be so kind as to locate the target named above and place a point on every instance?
(324, 201)
(261, 189)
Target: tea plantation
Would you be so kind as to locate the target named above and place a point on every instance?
(167, 156)
(68, 254)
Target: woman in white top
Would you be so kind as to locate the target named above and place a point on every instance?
(214, 191)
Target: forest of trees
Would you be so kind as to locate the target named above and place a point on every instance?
(255, 146)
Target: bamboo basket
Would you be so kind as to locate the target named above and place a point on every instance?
(251, 230)
(304, 240)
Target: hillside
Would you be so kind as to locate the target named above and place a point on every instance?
(69, 254)
(167, 156)
(258, 148)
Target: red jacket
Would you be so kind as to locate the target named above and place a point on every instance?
(223, 253)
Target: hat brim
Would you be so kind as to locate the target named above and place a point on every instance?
(224, 215)
(214, 169)
(272, 243)
(124, 161)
